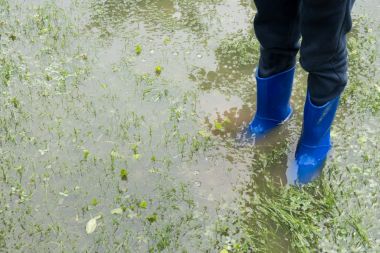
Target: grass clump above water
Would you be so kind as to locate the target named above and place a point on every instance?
(239, 50)
(282, 218)
(289, 219)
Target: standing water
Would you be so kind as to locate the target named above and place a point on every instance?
(119, 129)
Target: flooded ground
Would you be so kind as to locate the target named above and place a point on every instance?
(120, 125)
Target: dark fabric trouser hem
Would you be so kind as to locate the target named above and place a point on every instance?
(323, 25)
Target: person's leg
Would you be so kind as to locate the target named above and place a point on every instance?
(278, 31)
(324, 25)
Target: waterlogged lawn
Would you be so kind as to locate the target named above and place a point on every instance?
(119, 123)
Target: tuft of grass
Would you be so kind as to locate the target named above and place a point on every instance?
(241, 50)
(158, 70)
(138, 49)
(289, 219)
(124, 174)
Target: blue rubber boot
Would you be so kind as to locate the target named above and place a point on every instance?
(315, 142)
(272, 107)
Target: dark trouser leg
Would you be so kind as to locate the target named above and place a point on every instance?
(324, 25)
(278, 31)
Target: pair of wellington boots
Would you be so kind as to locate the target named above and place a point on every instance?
(273, 109)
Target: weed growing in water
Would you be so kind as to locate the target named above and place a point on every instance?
(138, 49)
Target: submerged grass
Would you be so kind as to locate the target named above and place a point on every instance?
(164, 16)
(83, 140)
(74, 151)
(363, 90)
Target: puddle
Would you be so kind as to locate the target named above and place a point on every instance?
(130, 112)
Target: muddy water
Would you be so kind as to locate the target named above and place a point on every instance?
(86, 107)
